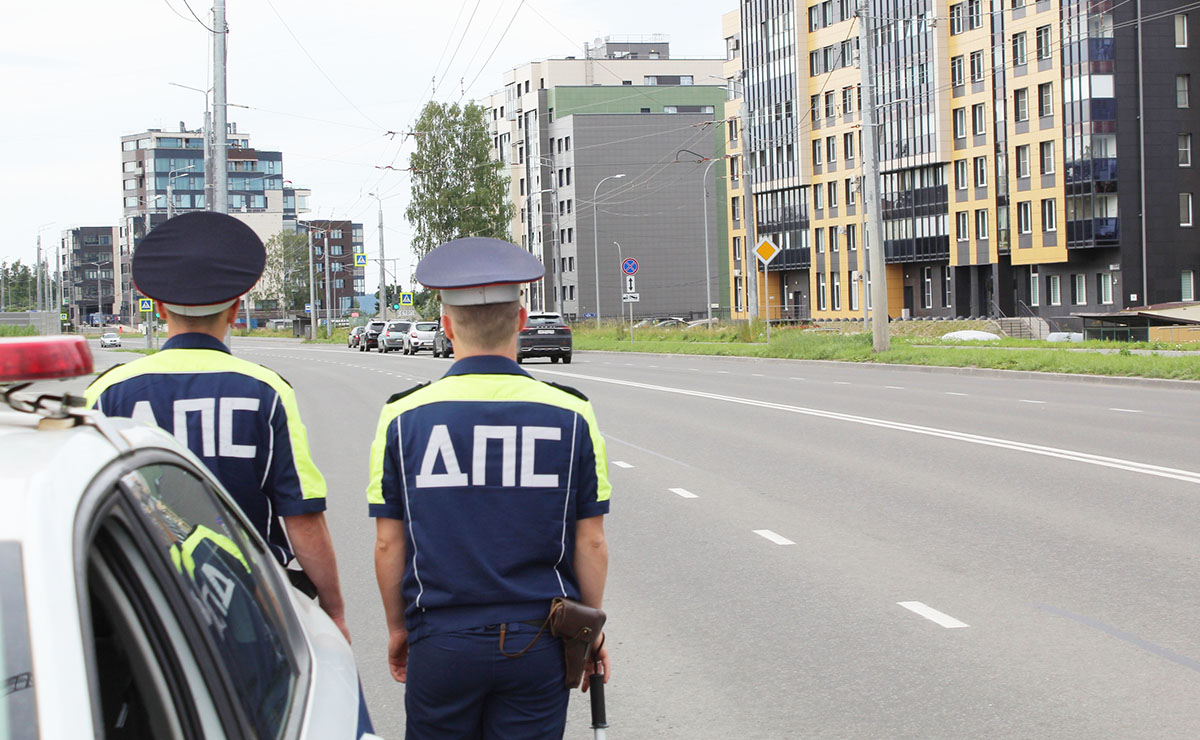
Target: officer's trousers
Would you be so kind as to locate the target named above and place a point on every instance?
(460, 686)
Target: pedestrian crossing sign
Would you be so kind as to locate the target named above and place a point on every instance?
(145, 305)
(406, 299)
(360, 260)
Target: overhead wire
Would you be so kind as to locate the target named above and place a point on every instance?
(202, 23)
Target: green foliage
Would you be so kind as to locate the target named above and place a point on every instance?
(17, 331)
(20, 286)
(457, 189)
(285, 277)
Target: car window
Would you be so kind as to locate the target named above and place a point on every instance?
(18, 707)
(223, 572)
(427, 326)
(543, 320)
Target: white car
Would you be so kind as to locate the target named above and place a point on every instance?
(109, 339)
(136, 599)
(420, 336)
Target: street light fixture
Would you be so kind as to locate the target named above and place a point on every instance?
(707, 269)
(596, 242)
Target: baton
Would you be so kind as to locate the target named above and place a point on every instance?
(596, 689)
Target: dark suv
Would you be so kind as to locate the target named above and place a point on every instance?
(370, 338)
(545, 335)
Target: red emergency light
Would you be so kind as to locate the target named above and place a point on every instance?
(43, 358)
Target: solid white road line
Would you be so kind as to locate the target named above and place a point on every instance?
(776, 538)
(1187, 476)
(621, 464)
(683, 493)
(1126, 411)
(933, 615)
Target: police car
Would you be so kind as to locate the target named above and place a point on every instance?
(136, 601)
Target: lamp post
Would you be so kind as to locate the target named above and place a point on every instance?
(596, 244)
(171, 188)
(99, 290)
(704, 195)
(312, 285)
(208, 143)
(383, 306)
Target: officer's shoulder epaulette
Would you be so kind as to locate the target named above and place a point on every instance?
(106, 372)
(568, 389)
(397, 396)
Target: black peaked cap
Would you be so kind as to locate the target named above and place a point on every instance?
(198, 259)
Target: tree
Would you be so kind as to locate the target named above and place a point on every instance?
(285, 277)
(457, 189)
(19, 281)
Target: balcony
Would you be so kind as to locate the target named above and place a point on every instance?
(1093, 232)
(791, 259)
(918, 249)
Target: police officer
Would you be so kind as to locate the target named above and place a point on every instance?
(489, 490)
(240, 418)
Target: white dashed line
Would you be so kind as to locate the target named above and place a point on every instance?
(952, 393)
(621, 464)
(758, 375)
(1026, 400)
(1126, 411)
(795, 378)
(683, 493)
(933, 615)
(694, 369)
(722, 372)
(840, 382)
(895, 387)
(776, 538)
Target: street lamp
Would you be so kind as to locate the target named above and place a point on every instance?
(596, 243)
(171, 188)
(99, 290)
(707, 269)
(382, 278)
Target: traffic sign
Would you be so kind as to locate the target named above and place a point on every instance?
(360, 260)
(145, 305)
(631, 298)
(629, 284)
(766, 251)
(406, 299)
(62, 317)
(307, 308)
(629, 266)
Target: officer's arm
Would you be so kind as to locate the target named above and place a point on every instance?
(314, 550)
(389, 572)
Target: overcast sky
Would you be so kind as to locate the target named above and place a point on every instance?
(324, 81)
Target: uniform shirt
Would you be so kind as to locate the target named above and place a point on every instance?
(240, 418)
(490, 470)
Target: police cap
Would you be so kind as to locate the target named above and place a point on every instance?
(199, 263)
(478, 270)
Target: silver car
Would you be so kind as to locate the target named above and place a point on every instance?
(110, 339)
(393, 336)
(420, 336)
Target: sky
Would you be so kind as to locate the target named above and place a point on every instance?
(324, 82)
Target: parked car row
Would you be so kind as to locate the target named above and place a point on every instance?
(544, 335)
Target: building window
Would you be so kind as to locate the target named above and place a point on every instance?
(956, 71)
(981, 172)
(818, 197)
(852, 237)
(960, 123)
(977, 66)
(831, 187)
(1025, 217)
(821, 291)
(847, 100)
(831, 150)
(946, 287)
(1035, 289)
(1181, 31)
(816, 156)
(1104, 283)
(927, 287)
(1043, 42)
(960, 174)
(819, 238)
(1046, 99)
(956, 19)
(1187, 290)
(1052, 287)
(978, 119)
(814, 63)
(1183, 87)
(848, 146)
(829, 105)
(1185, 150)
(735, 208)
(1049, 215)
(1047, 149)
(1021, 104)
(849, 191)
(981, 224)
(1185, 209)
(1023, 160)
(1079, 289)
(852, 290)
(1018, 48)
(962, 226)
(837, 291)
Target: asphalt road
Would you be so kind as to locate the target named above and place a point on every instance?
(829, 550)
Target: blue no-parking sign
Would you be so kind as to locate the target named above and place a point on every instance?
(629, 266)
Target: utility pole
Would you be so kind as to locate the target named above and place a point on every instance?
(38, 268)
(328, 303)
(312, 289)
(220, 113)
(748, 214)
(383, 304)
(871, 202)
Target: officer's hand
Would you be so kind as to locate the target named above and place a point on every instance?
(598, 656)
(398, 655)
(341, 624)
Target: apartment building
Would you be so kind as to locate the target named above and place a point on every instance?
(1000, 129)
(90, 256)
(343, 240)
(564, 126)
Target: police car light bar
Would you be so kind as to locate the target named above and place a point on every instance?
(43, 358)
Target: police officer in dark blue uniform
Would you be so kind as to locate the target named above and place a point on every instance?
(489, 490)
(240, 418)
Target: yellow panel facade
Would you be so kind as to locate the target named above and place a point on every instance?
(737, 249)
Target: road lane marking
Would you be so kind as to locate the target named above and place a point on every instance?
(933, 615)
(1126, 411)
(1132, 639)
(952, 393)
(776, 538)
(840, 382)
(683, 493)
(608, 436)
(1087, 458)
(758, 375)
(795, 378)
(1026, 400)
(621, 464)
(895, 387)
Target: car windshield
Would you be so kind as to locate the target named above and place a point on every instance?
(110, 335)
(426, 326)
(544, 320)
(396, 326)
(373, 326)
(18, 715)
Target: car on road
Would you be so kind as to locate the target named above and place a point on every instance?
(110, 339)
(442, 346)
(545, 335)
(355, 336)
(138, 601)
(370, 338)
(420, 336)
(393, 336)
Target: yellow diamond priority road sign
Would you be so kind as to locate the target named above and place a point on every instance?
(766, 251)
